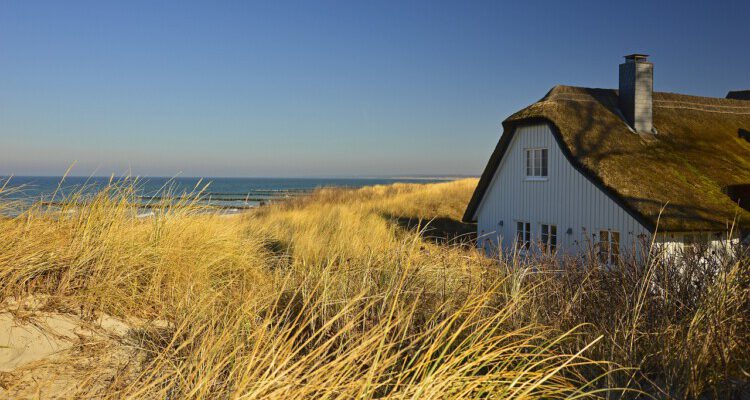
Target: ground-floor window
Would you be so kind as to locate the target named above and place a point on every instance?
(523, 235)
(609, 246)
(549, 238)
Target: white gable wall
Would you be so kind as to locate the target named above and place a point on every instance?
(566, 199)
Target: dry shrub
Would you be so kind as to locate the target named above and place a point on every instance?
(331, 296)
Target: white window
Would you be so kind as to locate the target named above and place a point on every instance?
(536, 163)
(549, 238)
(523, 235)
(609, 246)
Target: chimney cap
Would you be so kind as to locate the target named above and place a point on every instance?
(636, 57)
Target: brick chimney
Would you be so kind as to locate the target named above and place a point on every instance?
(636, 90)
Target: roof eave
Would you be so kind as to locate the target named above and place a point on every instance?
(509, 127)
(489, 172)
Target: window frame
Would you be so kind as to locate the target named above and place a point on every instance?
(531, 156)
(550, 243)
(612, 252)
(525, 243)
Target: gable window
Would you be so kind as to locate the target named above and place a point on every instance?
(549, 238)
(536, 163)
(609, 246)
(523, 235)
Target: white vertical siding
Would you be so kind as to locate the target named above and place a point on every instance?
(566, 199)
(674, 242)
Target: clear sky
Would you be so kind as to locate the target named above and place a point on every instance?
(317, 88)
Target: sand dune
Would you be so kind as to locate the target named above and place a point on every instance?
(47, 354)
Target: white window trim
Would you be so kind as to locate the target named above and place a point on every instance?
(549, 235)
(534, 178)
(609, 244)
(526, 246)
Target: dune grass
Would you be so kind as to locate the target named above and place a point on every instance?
(345, 294)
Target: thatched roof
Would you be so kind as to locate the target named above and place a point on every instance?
(739, 95)
(702, 146)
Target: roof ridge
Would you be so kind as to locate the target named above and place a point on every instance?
(581, 97)
(695, 96)
(707, 109)
(742, 106)
(560, 90)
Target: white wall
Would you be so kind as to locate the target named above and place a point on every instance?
(675, 242)
(566, 199)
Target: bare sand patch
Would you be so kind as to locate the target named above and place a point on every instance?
(49, 354)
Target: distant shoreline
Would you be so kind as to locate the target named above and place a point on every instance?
(410, 177)
(221, 193)
(431, 178)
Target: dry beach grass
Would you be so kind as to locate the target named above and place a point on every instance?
(345, 294)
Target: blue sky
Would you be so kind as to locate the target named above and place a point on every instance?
(318, 88)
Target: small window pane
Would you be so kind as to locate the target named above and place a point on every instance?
(553, 237)
(603, 246)
(529, 171)
(519, 235)
(549, 237)
(528, 235)
(614, 246)
(544, 162)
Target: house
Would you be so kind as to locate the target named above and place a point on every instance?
(615, 168)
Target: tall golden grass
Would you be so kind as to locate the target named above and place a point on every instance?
(343, 295)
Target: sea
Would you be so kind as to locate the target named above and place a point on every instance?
(230, 195)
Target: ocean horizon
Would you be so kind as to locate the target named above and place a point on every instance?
(231, 194)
